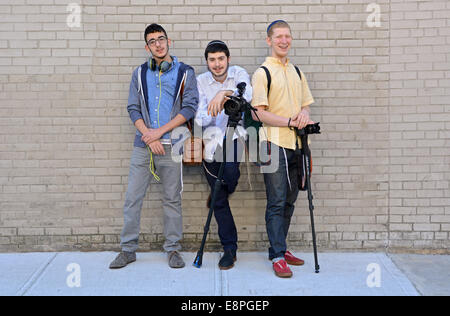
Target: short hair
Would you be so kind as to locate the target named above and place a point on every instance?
(216, 47)
(153, 28)
(276, 24)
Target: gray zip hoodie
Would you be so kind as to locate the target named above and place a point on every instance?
(185, 104)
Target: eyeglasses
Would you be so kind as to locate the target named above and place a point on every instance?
(161, 40)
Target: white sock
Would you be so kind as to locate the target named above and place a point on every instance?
(275, 260)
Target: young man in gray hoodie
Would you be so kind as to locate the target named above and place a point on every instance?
(163, 95)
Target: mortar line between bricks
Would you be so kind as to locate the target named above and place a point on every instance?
(388, 243)
(36, 276)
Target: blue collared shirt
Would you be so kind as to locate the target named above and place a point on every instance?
(161, 98)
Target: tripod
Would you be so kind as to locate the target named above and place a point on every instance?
(305, 154)
(199, 258)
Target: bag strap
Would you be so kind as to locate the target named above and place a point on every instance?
(190, 122)
(269, 77)
(298, 72)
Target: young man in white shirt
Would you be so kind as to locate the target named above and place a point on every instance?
(214, 86)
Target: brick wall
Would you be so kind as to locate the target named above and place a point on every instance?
(419, 174)
(381, 167)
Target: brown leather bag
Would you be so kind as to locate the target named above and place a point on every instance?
(193, 150)
(193, 146)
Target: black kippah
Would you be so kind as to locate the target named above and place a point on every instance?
(216, 42)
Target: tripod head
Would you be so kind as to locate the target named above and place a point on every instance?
(309, 129)
(236, 106)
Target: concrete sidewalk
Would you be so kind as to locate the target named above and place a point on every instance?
(87, 273)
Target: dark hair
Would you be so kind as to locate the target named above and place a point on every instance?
(216, 47)
(153, 28)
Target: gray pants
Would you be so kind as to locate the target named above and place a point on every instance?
(139, 178)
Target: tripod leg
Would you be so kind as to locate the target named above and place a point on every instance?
(199, 258)
(311, 207)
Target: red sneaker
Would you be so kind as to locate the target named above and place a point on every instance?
(292, 260)
(281, 269)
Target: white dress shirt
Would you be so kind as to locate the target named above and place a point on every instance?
(208, 87)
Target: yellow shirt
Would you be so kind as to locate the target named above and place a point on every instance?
(287, 96)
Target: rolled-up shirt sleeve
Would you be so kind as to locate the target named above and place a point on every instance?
(202, 118)
(134, 102)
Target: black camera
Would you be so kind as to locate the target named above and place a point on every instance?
(309, 129)
(235, 106)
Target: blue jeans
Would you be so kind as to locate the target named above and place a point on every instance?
(222, 212)
(281, 197)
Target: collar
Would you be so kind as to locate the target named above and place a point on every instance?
(174, 60)
(276, 61)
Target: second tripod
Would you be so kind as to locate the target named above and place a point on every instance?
(304, 156)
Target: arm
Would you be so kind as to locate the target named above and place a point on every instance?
(270, 118)
(140, 126)
(188, 108)
(190, 99)
(216, 104)
(299, 120)
(152, 135)
(302, 118)
(155, 146)
(202, 118)
(260, 101)
(134, 99)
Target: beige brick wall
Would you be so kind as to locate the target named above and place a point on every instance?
(419, 199)
(381, 167)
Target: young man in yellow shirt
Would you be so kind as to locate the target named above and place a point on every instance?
(281, 109)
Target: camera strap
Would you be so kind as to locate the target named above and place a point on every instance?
(303, 154)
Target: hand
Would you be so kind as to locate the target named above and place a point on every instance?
(157, 148)
(151, 135)
(301, 119)
(216, 104)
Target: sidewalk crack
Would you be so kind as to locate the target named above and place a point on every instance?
(36, 276)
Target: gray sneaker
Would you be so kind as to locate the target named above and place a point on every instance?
(123, 259)
(175, 260)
